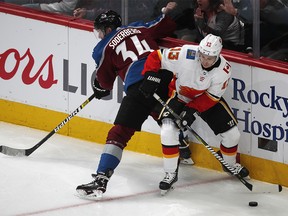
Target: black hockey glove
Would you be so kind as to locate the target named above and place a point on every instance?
(150, 83)
(99, 92)
(187, 116)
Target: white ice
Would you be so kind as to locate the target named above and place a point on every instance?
(44, 183)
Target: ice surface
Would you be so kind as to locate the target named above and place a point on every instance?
(44, 183)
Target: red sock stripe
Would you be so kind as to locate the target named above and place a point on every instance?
(228, 151)
(170, 150)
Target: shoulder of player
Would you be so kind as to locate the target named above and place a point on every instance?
(188, 52)
(190, 47)
(223, 58)
(225, 67)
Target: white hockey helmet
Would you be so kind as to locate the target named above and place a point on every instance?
(211, 45)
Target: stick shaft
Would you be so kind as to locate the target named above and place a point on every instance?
(199, 138)
(26, 152)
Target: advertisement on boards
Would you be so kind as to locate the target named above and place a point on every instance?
(50, 66)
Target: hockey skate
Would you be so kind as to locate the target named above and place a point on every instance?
(185, 155)
(186, 161)
(95, 189)
(167, 183)
(238, 168)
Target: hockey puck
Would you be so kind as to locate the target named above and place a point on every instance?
(253, 204)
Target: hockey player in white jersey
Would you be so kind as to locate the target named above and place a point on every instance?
(201, 76)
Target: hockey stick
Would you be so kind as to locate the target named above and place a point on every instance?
(26, 152)
(212, 151)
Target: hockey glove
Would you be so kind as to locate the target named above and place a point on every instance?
(150, 83)
(187, 116)
(99, 92)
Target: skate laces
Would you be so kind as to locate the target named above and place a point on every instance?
(237, 168)
(99, 179)
(169, 177)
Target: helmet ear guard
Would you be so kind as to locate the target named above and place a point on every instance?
(211, 45)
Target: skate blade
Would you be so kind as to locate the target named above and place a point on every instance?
(247, 178)
(96, 195)
(164, 192)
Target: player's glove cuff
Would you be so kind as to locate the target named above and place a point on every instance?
(187, 116)
(99, 92)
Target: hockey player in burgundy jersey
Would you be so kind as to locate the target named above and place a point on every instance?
(201, 76)
(122, 52)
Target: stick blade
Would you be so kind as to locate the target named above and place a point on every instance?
(267, 188)
(12, 151)
(246, 183)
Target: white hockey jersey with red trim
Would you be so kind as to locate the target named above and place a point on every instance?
(193, 83)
